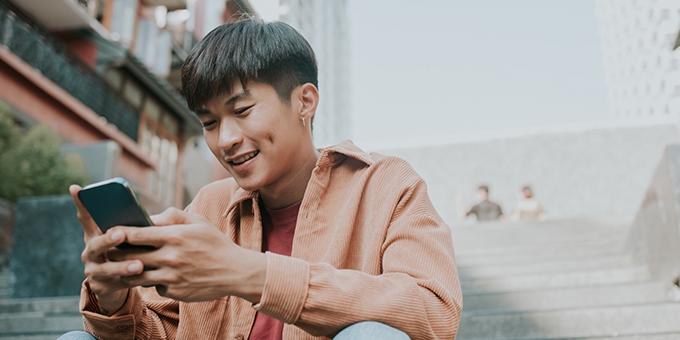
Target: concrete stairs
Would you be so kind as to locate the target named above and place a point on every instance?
(37, 318)
(567, 279)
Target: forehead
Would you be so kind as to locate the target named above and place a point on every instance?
(235, 90)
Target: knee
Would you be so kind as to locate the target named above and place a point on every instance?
(77, 335)
(370, 330)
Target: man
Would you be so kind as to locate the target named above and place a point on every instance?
(527, 208)
(485, 210)
(299, 243)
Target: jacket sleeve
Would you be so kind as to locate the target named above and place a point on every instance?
(417, 292)
(145, 315)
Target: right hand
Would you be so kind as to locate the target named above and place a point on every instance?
(103, 275)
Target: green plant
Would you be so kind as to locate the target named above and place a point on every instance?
(32, 164)
(8, 130)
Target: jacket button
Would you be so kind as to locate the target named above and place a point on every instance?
(122, 327)
(239, 337)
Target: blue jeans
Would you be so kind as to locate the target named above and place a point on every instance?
(77, 335)
(359, 331)
(370, 330)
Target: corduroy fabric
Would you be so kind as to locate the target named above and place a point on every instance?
(368, 245)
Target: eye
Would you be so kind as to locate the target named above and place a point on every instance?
(208, 124)
(242, 110)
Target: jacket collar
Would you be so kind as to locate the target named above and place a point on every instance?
(332, 154)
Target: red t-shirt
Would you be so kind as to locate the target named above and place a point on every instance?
(278, 229)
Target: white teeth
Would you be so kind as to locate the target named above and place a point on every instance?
(244, 158)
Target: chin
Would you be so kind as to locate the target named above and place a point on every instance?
(247, 185)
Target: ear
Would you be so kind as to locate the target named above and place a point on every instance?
(308, 97)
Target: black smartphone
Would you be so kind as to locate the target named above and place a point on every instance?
(111, 203)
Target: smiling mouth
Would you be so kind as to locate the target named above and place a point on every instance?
(244, 158)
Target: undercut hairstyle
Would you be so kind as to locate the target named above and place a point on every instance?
(273, 53)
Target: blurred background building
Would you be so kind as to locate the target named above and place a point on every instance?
(104, 75)
(642, 68)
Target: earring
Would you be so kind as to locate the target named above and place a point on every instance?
(303, 121)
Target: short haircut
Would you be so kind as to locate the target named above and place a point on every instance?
(484, 187)
(273, 53)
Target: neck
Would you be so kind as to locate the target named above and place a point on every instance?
(292, 189)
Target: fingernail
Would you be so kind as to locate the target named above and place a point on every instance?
(134, 267)
(117, 236)
(154, 218)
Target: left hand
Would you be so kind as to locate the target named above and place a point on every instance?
(192, 261)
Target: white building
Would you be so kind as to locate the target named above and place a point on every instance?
(324, 25)
(642, 69)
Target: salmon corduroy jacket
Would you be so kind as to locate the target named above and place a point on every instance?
(368, 245)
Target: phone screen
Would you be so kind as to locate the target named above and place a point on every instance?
(112, 203)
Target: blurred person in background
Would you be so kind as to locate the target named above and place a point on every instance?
(299, 243)
(485, 210)
(527, 208)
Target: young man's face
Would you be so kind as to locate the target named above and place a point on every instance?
(253, 134)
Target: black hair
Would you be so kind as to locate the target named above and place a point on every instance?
(273, 53)
(484, 187)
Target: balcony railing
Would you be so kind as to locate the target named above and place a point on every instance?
(52, 58)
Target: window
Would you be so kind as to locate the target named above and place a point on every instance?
(123, 21)
(133, 93)
(114, 78)
(159, 140)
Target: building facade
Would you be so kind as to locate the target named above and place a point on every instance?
(94, 72)
(641, 66)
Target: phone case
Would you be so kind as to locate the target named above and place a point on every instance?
(112, 203)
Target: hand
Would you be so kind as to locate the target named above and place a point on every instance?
(193, 261)
(103, 275)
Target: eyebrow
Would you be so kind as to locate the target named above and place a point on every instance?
(233, 99)
(239, 96)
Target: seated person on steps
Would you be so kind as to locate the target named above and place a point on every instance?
(300, 243)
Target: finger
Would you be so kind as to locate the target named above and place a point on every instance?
(174, 216)
(150, 236)
(128, 254)
(149, 278)
(108, 270)
(97, 246)
(89, 225)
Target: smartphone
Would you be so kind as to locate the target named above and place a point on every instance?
(111, 203)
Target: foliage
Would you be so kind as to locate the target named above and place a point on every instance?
(32, 164)
(8, 130)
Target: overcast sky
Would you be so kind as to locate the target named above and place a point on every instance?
(437, 67)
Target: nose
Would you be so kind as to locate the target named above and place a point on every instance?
(230, 135)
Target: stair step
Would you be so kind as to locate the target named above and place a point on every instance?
(551, 236)
(594, 248)
(581, 254)
(495, 270)
(571, 223)
(46, 305)
(667, 336)
(35, 323)
(571, 298)
(581, 323)
(44, 336)
(599, 277)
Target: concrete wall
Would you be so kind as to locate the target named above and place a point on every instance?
(575, 173)
(7, 213)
